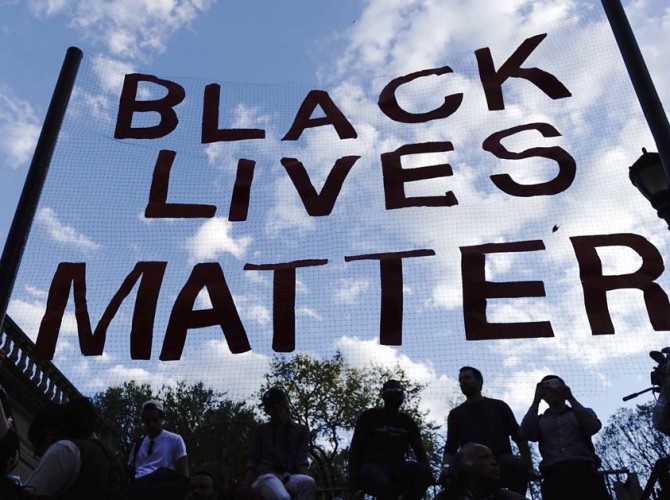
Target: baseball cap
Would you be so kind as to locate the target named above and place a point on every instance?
(273, 396)
(392, 386)
(152, 404)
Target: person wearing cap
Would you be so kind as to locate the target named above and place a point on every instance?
(569, 463)
(278, 467)
(490, 422)
(158, 461)
(377, 455)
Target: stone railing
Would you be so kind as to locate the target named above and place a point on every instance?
(18, 349)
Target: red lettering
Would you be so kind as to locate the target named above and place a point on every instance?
(73, 275)
(128, 105)
(493, 80)
(596, 285)
(388, 102)
(476, 291)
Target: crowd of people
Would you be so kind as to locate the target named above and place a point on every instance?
(387, 458)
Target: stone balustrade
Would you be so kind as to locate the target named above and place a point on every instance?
(18, 349)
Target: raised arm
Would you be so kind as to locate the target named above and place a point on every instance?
(586, 417)
(528, 430)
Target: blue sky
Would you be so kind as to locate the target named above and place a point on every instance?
(350, 49)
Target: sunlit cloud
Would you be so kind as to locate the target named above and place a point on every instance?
(19, 128)
(64, 233)
(131, 29)
(215, 238)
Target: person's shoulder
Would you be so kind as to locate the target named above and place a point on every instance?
(263, 427)
(407, 417)
(498, 403)
(171, 436)
(460, 408)
(300, 427)
(506, 494)
(65, 443)
(370, 413)
(62, 448)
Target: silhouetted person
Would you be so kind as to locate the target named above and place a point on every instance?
(73, 464)
(202, 486)
(475, 475)
(9, 446)
(278, 464)
(489, 422)
(569, 463)
(378, 463)
(158, 460)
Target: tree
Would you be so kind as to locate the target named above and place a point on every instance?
(328, 396)
(630, 440)
(213, 427)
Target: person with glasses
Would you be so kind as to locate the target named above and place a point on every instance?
(378, 463)
(569, 463)
(158, 462)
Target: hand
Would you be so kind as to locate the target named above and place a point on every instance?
(567, 393)
(539, 394)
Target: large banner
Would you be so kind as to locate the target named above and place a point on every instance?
(472, 212)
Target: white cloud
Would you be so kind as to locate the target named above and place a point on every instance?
(19, 128)
(350, 289)
(63, 233)
(287, 214)
(28, 315)
(308, 312)
(237, 375)
(110, 72)
(36, 292)
(261, 314)
(215, 238)
(441, 392)
(119, 374)
(131, 29)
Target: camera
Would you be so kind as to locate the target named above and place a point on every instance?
(660, 371)
(660, 418)
(659, 374)
(552, 383)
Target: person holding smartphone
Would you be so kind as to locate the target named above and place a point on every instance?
(569, 463)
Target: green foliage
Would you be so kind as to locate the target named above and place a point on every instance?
(629, 440)
(329, 395)
(213, 427)
(120, 407)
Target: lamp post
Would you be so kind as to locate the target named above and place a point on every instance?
(641, 80)
(648, 176)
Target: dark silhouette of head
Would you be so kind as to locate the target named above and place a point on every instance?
(470, 380)
(275, 403)
(475, 467)
(76, 419)
(393, 394)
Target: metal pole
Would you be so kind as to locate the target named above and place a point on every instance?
(642, 82)
(25, 210)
